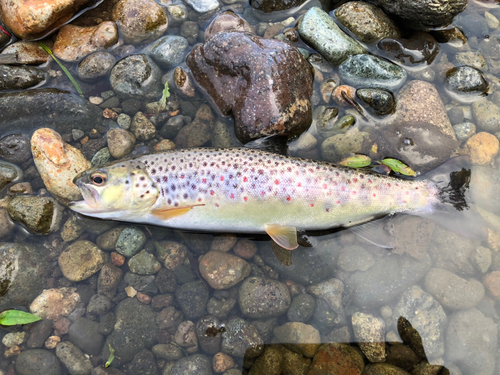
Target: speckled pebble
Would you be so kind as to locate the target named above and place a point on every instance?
(130, 241)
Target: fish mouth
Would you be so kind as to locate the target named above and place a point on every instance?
(90, 202)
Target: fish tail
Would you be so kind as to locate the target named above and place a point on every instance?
(454, 209)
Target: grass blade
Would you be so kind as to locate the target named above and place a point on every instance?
(66, 71)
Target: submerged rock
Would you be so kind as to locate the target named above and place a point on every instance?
(416, 52)
(80, 260)
(140, 20)
(41, 215)
(30, 53)
(422, 14)
(37, 361)
(168, 51)
(20, 77)
(465, 84)
(222, 271)
(263, 298)
(318, 29)
(381, 101)
(9, 173)
(427, 317)
(278, 83)
(471, 340)
(337, 359)
(23, 271)
(370, 335)
(241, 339)
(136, 77)
(33, 20)
(268, 6)
(227, 21)
(95, 66)
(74, 42)
(368, 71)
(366, 21)
(58, 109)
(58, 163)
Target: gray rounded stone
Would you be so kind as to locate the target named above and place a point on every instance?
(168, 51)
(302, 308)
(73, 358)
(15, 148)
(368, 71)
(207, 330)
(130, 241)
(262, 298)
(381, 101)
(9, 173)
(96, 66)
(241, 339)
(319, 30)
(136, 77)
(20, 77)
(144, 263)
(37, 362)
(84, 333)
(465, 84)
(192, 298)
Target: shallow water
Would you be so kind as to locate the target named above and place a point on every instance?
(445, 285)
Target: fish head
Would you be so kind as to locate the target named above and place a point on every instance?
(111, 192)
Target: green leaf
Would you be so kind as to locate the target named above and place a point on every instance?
(398, 166)
(66, 71)
(164, 98)
(111, 356)
(14, 317)
(356, 161)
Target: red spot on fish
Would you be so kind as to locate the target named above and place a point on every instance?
(288, 199)
(245, 179)
(388, 185)
(276, 182)
(312, 205)
(354, 180)
(212, 192)
(407, 192)
(369, 181)
(262, 193)
(232, 196)
(182, 176)
(374, 194)
(324, 186)
(217, 205)
(299, 185)
(342, 188)
(199, 199)
(353, 192)
(204, 180)
(338, 202)
(245, 199)
(222, 178)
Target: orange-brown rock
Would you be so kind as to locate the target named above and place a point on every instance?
(55, 303)
(58, 163)
(73, 43)
(482, 148)
(32, 19)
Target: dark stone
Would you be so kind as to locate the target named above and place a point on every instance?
(90, 148)
(422, 14)
(109, 278)
(9, 173)
(144, 363)
(37, 362)
(107, 323)
(38, 333)
(456, 115)
(23, 272)
(145, 284)
(209, 333)
(20, 77)
(419, 144)
(241, 339)
(420, 49)
(15, 148)
(36, 213)
(381, 101)
(135, 329)
(165, 281)
(308, 266)
(192, 298)
(84, 333)
(96, 66)
(54, 108)
(99, 304)
(268, 6)
(264, 84)
(301, 308)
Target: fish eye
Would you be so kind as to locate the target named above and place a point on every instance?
(98, 178)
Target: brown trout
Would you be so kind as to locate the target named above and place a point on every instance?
(247, 190)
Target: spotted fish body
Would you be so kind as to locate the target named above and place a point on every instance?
(247, 190)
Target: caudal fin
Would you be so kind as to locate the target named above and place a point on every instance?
(455, 211)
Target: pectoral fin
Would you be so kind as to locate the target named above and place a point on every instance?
(169, 213)
(286, 237)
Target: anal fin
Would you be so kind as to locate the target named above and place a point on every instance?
(169, 213)
(377, 232)
(284, 236)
